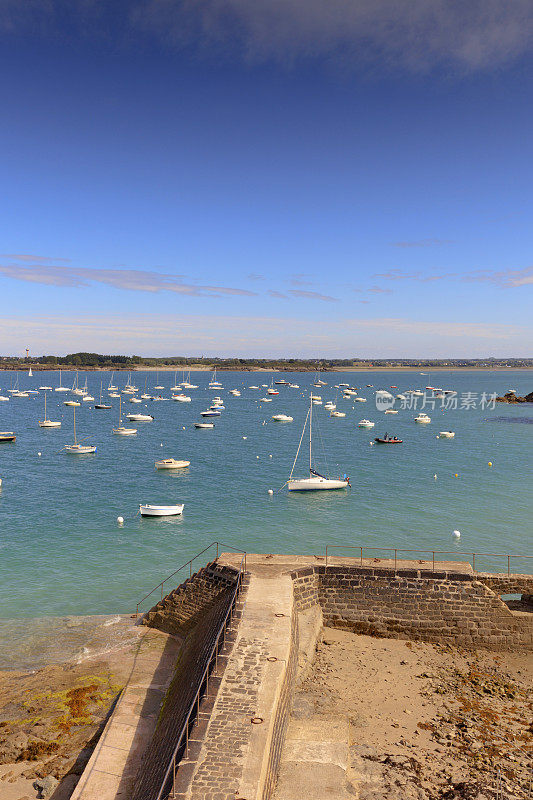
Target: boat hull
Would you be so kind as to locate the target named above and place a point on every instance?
(315, 484)
(160, 511)
(47, 423)
(80, 450)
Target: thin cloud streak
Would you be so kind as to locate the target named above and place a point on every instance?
(193, 335)
(422, 243)
(129, 279)
(505, 279)
(313, 295)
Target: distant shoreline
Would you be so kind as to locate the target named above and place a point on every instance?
(205, 368)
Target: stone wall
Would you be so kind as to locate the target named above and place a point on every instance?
(417, 604)
(501, 583)
(180, 611)
(281, 718)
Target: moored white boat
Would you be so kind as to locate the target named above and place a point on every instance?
(282, 418)
(211, 413)
(160, 511)
(446, 434)
(171, 463)
(423, 418)
(204, 425)
(78, 448)
(48, 423)
(315, 481)
(140, 417)
(366, 423)
(337, 414)
(181, 398)
(121, 430)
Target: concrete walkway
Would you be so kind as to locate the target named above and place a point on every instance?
(111, 770)
(275, 564)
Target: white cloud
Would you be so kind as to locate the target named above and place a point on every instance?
(416, 35)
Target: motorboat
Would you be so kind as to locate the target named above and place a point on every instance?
(388, 439)
(114, 394)
(217, 407)
(140, 417)
(337, 414)
(366, 423)
(204, 425)
(391, 411)
(360, 399)
(210, 413)
(282, 418)
(135, 400)
(143, 396)
(265, 400)
(181, 398)
(171, 463)
(446, 434)
(73, 403)
(160, 511)
(48, 423)
(329, 406)
(294, 386)
(218, 400)
(235, 392)
(316, 401)
(423, 418)
(88, 398)
(253, 387)
(349, 392)
(315, 481)
(7, 436)
(281, 382)
(20, 394)
(4, 399)
(77, 448)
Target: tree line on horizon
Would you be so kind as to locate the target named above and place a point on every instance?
(118, 362)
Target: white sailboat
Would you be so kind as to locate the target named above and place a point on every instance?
(111, 387)
(158, 385)
(102, 406)
(48, 423)
(121, 430)
(76, 448)
(30, 373)
(213, 383)
(315, 481)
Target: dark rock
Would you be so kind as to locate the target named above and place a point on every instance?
(46, 786)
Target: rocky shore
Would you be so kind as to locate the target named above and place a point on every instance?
(511, 397)
(51, 719)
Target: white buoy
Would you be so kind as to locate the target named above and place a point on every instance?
(120, 520)
(161, 444)
(435, 476)
(257, 456)
(244, 437)
(270, 456)
(38, 454)
(457, 534)
(271, 491)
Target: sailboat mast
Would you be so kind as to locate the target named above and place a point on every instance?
(310, 432)
(45, 404)
(74, 409)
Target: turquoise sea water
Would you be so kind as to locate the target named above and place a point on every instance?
(62, 552)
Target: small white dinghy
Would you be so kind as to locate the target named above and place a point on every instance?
(160, 511)
(337, 414)
(391, 411)
(282, 418)
(181, 398)
(265, 400)
(171, 463)
(446, 434)
(140, 417)
(204, 425)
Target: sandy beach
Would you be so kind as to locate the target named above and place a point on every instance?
(426, 722)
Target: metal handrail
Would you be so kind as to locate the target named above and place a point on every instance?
(397, 550)
(189, 564)
(205, 678)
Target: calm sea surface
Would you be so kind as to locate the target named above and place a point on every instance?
(62, 553)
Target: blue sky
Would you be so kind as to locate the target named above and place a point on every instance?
(282, 178)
